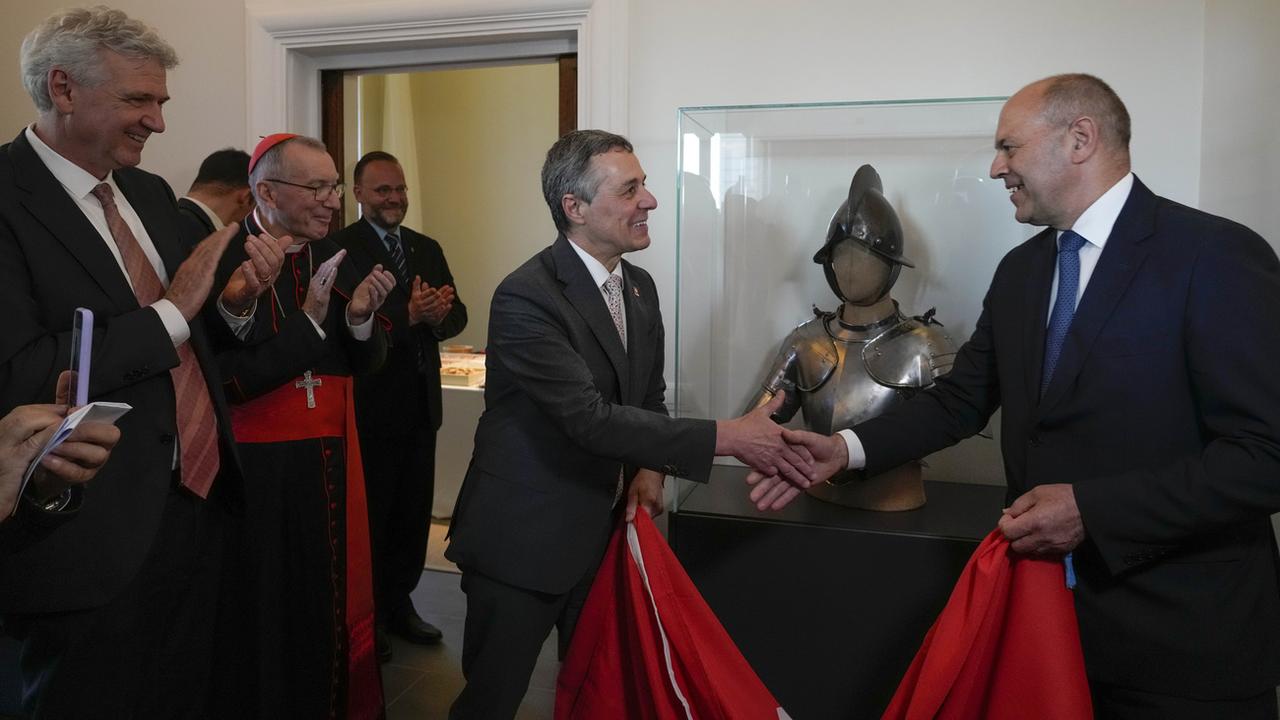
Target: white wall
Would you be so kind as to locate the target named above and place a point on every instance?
(207, 109)
(1240, 161)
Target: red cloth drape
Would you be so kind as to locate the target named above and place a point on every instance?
(1005, 647)
(647, 646)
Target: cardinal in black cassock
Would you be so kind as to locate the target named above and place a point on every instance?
(300, 640)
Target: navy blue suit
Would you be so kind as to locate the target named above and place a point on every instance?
(1164, 413)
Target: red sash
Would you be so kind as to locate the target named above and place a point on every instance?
(282, 415)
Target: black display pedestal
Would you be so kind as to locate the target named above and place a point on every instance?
(827, 603)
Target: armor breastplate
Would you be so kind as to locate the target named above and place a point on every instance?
(842, 376)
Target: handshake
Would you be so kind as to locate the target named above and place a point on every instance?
(783, 462)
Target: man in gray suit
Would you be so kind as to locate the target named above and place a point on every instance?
(575, 423)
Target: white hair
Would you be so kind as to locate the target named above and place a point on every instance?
(72, 39)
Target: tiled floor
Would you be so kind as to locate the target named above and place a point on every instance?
(421, 682)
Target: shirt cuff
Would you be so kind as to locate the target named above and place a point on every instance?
(240, 325)
(363, 331)
(176, 325)
(857, 456)
(316, 325)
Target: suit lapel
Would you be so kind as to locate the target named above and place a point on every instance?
(159, 224)
(198, 213)
(1035, 308)
(581, 292)
(640, 349)
(1121, 258)
(45, 198)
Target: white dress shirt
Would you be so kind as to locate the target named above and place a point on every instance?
(1094, 225)
(79, 184)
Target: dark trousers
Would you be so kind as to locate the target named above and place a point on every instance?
(505, 629)
(399, 481)
(1114, 703)
(149, 652)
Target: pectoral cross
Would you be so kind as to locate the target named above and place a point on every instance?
(310, 384)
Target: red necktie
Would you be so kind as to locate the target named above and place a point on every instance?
(197, 427)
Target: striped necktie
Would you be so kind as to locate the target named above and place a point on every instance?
(397, 257)
(197, 426)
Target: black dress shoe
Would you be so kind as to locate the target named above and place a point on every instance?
(414, 629)
(381, 644)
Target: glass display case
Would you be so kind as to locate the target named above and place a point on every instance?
(756, 189)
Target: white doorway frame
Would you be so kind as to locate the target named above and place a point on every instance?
(290, 42)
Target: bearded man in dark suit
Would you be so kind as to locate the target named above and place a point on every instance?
(398, 408)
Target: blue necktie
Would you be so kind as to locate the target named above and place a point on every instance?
(1064, 305)
(1064, 308)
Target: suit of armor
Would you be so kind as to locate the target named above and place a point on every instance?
(847, 366)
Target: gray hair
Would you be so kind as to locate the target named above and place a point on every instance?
(1068, 97)
(567, 170)
(272, 165)
(71, 40)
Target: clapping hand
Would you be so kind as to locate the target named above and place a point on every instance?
(316, 304)
(257, 274)
(429, 305)
(369, 295)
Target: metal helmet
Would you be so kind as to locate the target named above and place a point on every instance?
(867, 218)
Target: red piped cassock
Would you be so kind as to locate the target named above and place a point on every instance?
(302, 611)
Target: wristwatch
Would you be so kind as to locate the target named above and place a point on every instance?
(57, 503)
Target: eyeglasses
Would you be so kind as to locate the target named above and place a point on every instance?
(322, 192)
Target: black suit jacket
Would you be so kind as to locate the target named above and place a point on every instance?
(389, 401)
(195, 224)
(52, 261)
(1164, 413)
(565, 407)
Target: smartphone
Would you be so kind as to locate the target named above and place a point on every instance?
(81, 349)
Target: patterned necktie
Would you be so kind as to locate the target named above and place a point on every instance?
(1064, 305)
(197, 427)
(613, 296)
(397, 257)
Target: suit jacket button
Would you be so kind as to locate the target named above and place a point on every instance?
(166, 438)
(1034, 439)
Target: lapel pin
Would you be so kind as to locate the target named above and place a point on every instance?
(635, 291)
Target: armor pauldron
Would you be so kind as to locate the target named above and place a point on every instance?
(909, 355)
